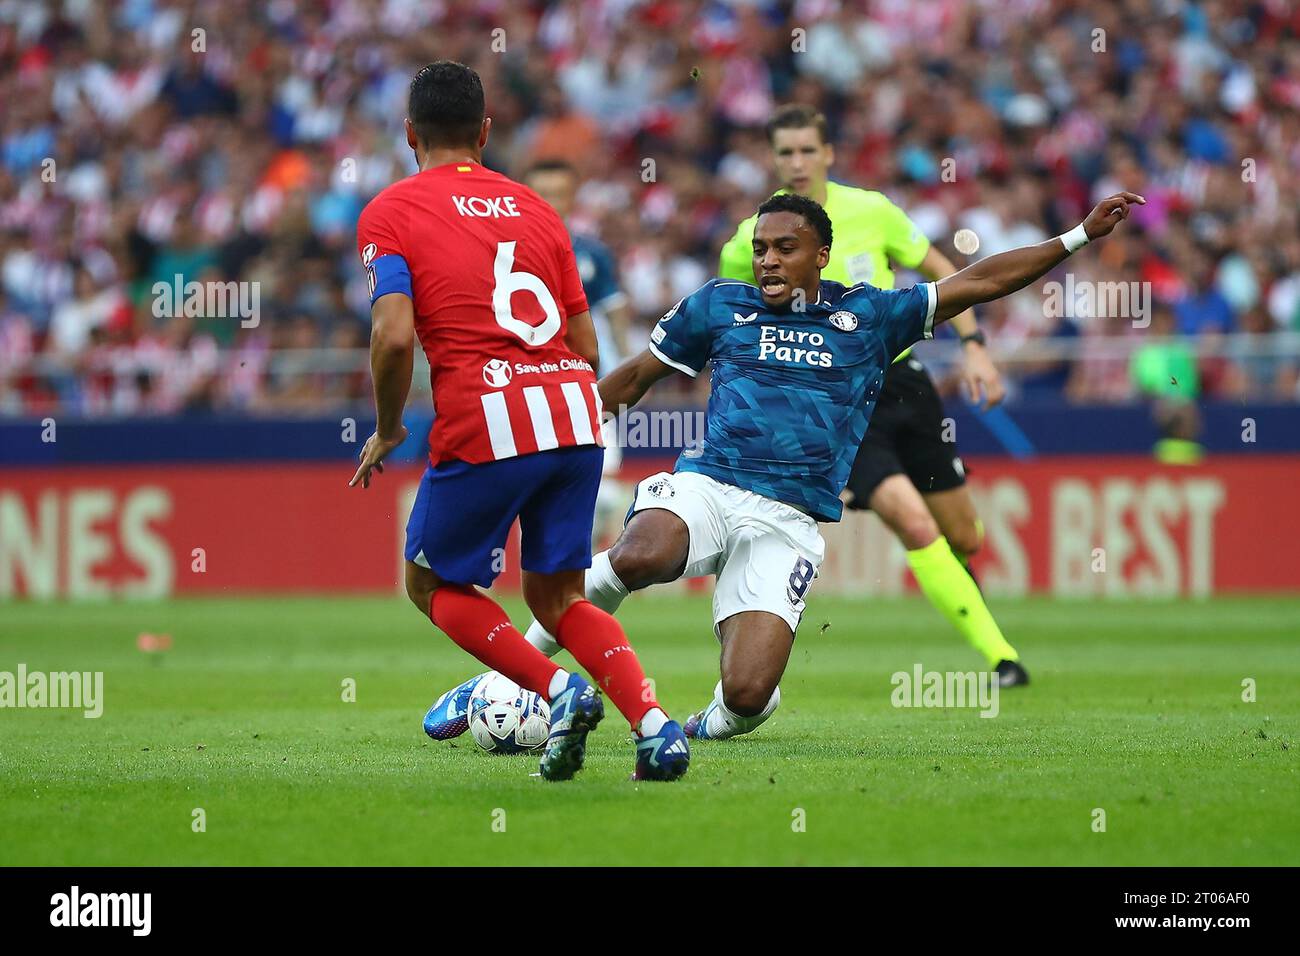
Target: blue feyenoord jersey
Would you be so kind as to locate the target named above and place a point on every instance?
(599, 273)
(792, 391)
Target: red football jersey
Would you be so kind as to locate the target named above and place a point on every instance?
(490, 270)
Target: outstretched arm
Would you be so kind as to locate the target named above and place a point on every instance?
(627, 384)
(1008, 272)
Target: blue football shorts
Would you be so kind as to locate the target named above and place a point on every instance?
(463, 513)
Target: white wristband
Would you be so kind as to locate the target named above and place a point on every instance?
(1075, 239)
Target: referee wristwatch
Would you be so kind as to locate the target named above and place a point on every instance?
(977, 337)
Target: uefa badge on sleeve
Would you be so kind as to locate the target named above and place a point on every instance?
(367, 260)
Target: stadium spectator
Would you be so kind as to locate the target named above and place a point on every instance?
(1259, 369)
(1164, 370)
(235, 141)
(1202, 309)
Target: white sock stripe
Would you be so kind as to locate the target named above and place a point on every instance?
(604, 588)
(579, 415)
(540, 412)
(721, 722)
(500, 434)
(537, 636)
(653, 722)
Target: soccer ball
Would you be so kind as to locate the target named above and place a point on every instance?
(506, 719)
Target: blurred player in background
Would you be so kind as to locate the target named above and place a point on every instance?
(557, 182)
(905, 472)
(480, 268)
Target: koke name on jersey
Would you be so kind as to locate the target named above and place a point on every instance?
(486, 207)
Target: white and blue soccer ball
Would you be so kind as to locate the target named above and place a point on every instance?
(506, 719)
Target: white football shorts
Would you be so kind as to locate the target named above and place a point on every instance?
(765, 553)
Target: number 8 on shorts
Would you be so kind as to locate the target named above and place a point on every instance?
(800, 578)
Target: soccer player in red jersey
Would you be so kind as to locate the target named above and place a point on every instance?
(480, 269)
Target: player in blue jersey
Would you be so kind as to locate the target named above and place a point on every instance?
(611, 314)
(797, 364)
(557, 182)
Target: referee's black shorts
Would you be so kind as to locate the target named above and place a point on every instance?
(905, 437)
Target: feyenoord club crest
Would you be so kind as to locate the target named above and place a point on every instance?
(844, 321)
(661, 488)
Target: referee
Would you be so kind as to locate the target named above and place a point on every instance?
(905, 472)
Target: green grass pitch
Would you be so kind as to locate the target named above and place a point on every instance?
(1135, 708)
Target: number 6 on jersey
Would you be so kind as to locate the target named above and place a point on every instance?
(506, 284)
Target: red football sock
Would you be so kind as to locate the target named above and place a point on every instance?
(479, 625)
(598, 643)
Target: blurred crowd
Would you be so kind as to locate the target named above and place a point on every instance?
(224, 140)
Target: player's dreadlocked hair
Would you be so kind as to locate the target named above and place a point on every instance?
(446, 104)
(810, 209)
